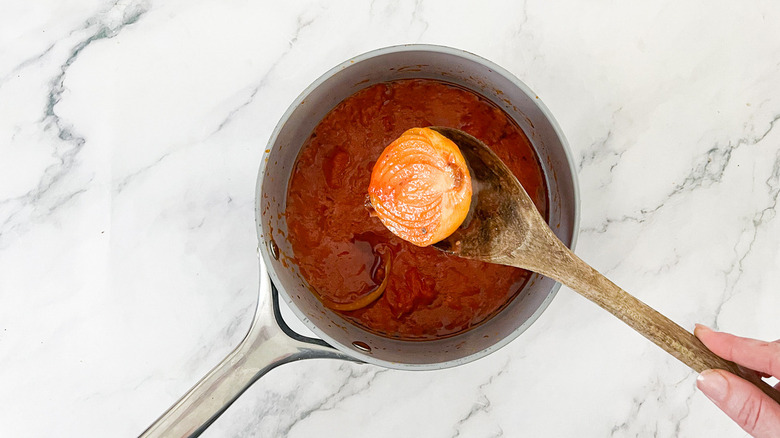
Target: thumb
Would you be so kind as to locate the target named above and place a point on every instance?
(750, 408)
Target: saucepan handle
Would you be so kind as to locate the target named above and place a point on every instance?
(268, 344)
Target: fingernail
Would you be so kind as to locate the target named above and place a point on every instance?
(713, 385)
(699, 328)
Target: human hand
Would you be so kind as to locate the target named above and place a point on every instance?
(751, 409)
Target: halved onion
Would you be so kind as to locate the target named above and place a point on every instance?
(421, 187)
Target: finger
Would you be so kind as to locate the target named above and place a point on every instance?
(750, 408)
(758, 355)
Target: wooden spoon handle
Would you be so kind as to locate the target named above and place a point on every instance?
(579, 276)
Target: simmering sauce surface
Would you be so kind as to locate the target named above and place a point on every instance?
(340, 248)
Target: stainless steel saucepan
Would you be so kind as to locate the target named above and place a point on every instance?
(270, 342)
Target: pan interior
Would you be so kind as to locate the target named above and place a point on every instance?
(410, 62)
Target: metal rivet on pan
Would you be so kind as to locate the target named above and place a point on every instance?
(274, 249)
(362, 346)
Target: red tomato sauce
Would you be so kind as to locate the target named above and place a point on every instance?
(339, 247)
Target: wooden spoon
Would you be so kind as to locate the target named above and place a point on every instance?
(504, 227)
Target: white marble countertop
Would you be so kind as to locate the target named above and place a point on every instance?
(131, 134)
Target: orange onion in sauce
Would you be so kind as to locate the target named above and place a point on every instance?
(421, 187)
